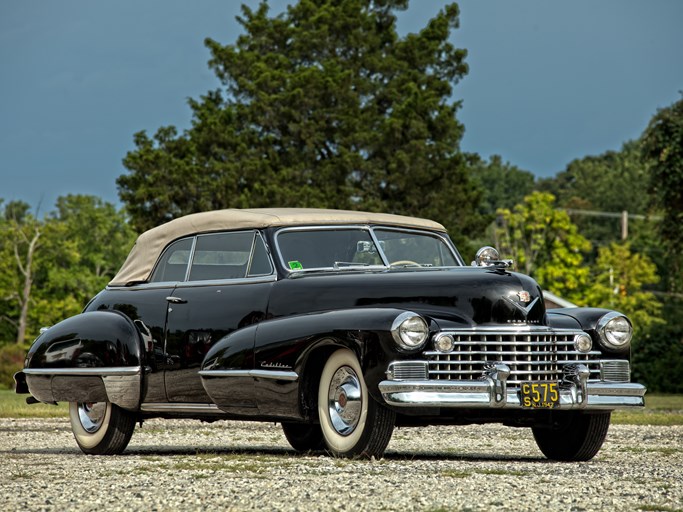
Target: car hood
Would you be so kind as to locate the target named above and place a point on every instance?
(471, 296)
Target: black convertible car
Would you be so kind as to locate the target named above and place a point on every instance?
(339, 325)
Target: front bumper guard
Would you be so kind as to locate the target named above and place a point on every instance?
(491, 391)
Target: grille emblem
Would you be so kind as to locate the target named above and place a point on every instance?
(524, 296)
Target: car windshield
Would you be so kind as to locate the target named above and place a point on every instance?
(353, 247)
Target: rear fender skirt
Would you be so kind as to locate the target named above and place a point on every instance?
(91, 357)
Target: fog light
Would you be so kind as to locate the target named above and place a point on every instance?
(583, 343)
(444, 342)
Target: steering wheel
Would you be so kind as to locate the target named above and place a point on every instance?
(408, 263)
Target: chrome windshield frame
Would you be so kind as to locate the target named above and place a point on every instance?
(370, 229)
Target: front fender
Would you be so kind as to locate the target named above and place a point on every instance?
(275, 355)
(286, 343)
(91, 357)
(587, 319)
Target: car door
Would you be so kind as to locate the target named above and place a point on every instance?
(226, 289)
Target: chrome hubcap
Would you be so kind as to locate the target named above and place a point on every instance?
(91, 415)
(345, 400)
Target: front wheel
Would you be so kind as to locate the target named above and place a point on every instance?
(101, 428)
(575, 436)
(352, 423)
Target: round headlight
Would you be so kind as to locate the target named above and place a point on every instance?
(615, 330)
(409, 330)
(444, 342)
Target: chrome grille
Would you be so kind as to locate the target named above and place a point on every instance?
(532, 354)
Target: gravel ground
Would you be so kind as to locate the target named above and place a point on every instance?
(188, 465)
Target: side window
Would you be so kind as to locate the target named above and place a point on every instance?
(216, 256)
(260, 262)
(173, 263)
(221, 256)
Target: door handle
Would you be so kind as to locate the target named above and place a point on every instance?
(176, 300)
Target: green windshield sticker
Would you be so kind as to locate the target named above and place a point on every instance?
(295, 265)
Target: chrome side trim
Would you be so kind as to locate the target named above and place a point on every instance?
(257, 374)
(102, 372)
(182, 284)
(228, 282)
(276, 375)
(189, 408)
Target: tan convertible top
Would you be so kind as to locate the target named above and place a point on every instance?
(149, 245)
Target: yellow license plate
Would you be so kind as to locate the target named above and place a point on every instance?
(539, 395)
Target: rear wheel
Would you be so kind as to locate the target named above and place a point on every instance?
(575, 436)
(101, 428)
(304, 437)
(352, 423)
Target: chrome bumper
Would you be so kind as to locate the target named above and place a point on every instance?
(492, 391)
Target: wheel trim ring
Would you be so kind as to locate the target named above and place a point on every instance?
(345, 401)
(91, 415)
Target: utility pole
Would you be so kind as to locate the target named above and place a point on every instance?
(624, 216)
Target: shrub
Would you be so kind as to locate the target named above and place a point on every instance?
(11, 361)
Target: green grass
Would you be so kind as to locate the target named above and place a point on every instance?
(454, 473)
(659, 508)
(14, 406)
(659, 410)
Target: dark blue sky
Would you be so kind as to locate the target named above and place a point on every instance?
(549, 81)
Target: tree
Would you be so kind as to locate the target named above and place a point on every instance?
(321, 106)
(658, 352)
(611, 182)
(503, 185)
(85, 242)
(617, 282)
(100, 236)
(660, 355)
(20, 235)
(662, 144)
(51, 267)
(545, 244)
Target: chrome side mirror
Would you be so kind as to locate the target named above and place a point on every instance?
(488, 256)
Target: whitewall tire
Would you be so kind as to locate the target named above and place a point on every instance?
(101, 428)
(352, 423)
